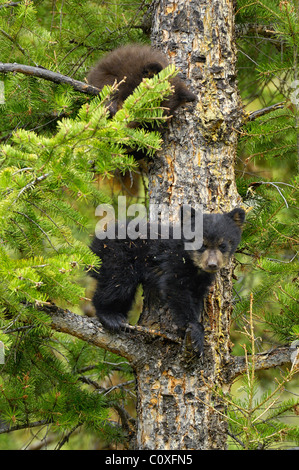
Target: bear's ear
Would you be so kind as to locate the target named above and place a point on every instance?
(238, 216)
(151, 69)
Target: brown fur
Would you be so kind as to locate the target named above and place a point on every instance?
(136, 62)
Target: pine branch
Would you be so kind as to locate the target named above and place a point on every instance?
(261, 112)
(11, 4)
(131, 345)
(90, 330)
(45, 74)
(266, 360)
(65, 439)
(256, 29)
(128, 343)
(6, 429)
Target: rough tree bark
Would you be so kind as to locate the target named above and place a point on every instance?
(176, 407)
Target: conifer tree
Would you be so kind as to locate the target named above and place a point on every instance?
(55, 363)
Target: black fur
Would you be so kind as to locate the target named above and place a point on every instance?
(181, 278)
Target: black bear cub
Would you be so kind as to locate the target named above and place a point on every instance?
(136, 62)
(180, 277)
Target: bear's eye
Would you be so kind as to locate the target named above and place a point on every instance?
(222, 247)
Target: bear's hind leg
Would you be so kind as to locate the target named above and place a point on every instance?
(111, 320)
(113, 314)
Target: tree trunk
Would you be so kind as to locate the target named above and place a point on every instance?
(176, 405)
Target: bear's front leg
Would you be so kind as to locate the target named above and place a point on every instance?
(187, 312)
(196, 332)
(113, 315)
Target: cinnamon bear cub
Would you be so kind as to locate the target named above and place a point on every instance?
(136, 62)
(180, 277)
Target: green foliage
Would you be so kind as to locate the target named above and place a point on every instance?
(269, 257)
(268, 55)
(258, 420)
(56, 141)
(65, 37)
(269, 144)
(42, 383)
(259, 424)
(267, 179)
(46, 184)
(55, 144)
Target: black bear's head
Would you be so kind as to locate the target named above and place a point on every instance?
(221, 236)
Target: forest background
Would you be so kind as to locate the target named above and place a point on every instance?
(60, 157)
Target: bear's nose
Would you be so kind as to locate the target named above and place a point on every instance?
(213, 266)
